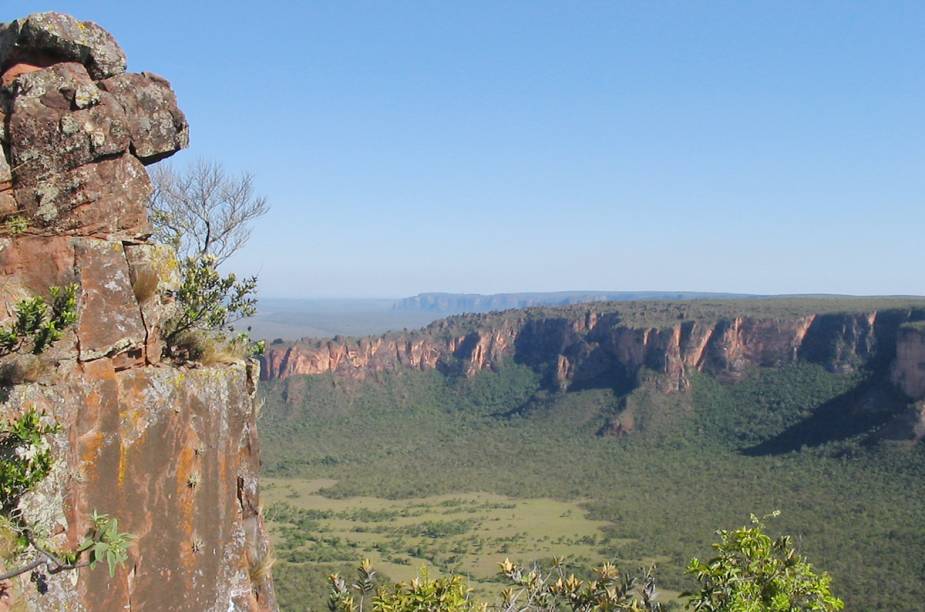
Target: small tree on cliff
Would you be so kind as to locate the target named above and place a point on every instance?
(203, 210)
(206, 214)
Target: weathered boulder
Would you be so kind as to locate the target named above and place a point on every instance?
(170, 451)
(157, 126)
(110, 320)
(102, 198)
(60, 120)
(63, 37)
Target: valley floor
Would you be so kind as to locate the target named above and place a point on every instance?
(402, 456)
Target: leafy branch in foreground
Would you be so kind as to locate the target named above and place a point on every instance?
(37, 323)
(103, 542)
(755, 572)
(26, 460)
(531, 589)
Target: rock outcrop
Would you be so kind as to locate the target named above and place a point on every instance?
(909, 368)
(908, 374)
(171, 452)
(595, 344)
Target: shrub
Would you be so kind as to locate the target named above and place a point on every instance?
(209, 305)
(25, 460)
(37, 323)
(424, 594)
(755, 572)
(531, 589)
(25, 455)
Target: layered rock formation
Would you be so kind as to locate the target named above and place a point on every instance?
(599, 344)
(170, 451)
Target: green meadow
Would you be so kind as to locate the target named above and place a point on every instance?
(460, 533)
(414, 468)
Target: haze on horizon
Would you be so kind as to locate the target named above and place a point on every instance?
(487, 147)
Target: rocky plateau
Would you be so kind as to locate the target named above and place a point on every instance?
(610, 344)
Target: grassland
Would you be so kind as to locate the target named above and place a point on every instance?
(456, 533)
(697, 462)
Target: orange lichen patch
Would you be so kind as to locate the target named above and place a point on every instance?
(23, 63)
(16, 70)
(132, 409)
(90, 446)
(123, 451)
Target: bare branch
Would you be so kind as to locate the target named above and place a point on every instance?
(202, 210)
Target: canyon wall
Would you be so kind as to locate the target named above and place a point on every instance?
(170, 451)
(909, 367)
(595, 345)
(908, 373)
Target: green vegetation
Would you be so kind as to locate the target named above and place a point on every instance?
(778, 439)
(25, 461)
(25, 456)
(205, 214)
(37, 324)
(531, 589)
(209, 305)
(465, 533)
(752, 571)
(15, 225)
(917, 325)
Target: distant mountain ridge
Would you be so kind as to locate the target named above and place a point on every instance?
(458, 303)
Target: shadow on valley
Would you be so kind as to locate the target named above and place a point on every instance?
(660, 471)
(857, 412)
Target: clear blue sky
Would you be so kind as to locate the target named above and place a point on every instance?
(534, 145)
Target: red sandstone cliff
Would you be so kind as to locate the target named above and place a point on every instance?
(171, 452)
(594, 342)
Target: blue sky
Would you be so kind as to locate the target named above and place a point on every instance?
(771, 147)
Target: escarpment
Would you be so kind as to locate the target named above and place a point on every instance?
(612, 343)
(170, 451)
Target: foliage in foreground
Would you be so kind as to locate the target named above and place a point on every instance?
(530, 589)
(25, 460)
(25, 455)
(752, 571)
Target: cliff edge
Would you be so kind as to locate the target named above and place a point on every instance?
(611, 343)
(170, 451)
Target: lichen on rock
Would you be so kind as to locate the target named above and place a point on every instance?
(136, 429)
